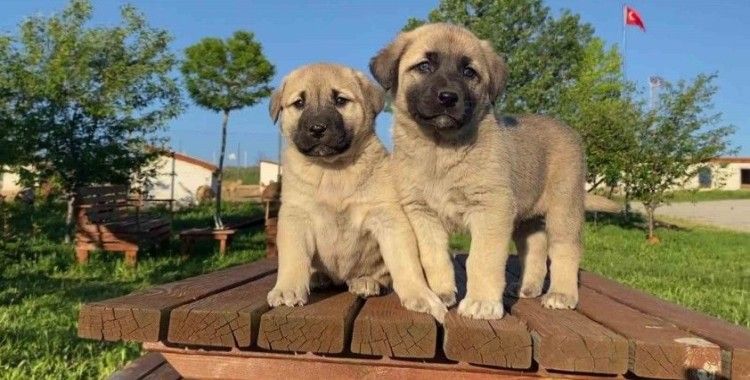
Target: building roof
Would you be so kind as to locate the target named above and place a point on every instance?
(731, 160)
(195, 161)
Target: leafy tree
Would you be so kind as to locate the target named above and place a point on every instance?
(93, 97)
(543, 53)
(674, 138)
(599, 105)
(224, 76)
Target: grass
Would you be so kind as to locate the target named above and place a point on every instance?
(248, 175)
(41, 290)
(709, 195)
(703, 268)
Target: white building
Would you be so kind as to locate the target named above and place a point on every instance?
(179, 176)
(723, 173)
(269, 171)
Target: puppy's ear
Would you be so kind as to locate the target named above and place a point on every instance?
(384, 66)
(373, 95)
(275, 106)
(498, 71)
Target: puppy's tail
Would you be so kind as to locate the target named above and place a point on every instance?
(598, 203)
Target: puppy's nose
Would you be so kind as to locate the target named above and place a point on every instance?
(448, 98)
(317, 130)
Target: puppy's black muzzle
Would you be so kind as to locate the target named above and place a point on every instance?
(440, 103)
(321, 132)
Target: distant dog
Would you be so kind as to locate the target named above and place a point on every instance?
(340, 218)
(458, 166)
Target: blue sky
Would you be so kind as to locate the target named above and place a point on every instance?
(683, 38)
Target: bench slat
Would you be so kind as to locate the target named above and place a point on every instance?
(384, 328)
(728, 336)
(566, 340)
(101, 190)
(226, 319)
(139, 368)
(321, 326)
(143, 316)
(657, 349)
(164, 372)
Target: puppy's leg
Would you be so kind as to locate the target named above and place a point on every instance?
(491, 228)
(296, 248)
(398, 247)
(564, 223)
(432, 240)
(364, 286)
(531, 241)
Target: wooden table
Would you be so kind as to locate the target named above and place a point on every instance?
(224, 237)
(218, 325)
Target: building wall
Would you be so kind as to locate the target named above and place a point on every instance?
(727, 177)
(269, 171)
(188, 178)
(9, 186)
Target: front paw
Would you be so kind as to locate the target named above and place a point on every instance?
(515, 289)
(287, 296)
(480, 309)
(424, 302)
(555, 300)
(364, 286)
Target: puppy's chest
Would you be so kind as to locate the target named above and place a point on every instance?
(449, 199)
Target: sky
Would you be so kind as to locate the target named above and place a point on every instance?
(683, 38)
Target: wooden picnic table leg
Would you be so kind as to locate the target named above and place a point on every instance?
(82, 255)
(222, 244)
(131, 257)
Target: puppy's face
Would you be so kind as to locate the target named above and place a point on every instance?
(441, 75)
(326, 109)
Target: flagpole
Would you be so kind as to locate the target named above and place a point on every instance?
(624, 41)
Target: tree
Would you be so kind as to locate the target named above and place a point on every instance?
(542, 52)
(224, 76)
(600, 107)
(93, 97)
(674, 139)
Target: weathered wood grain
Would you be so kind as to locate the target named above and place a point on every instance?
(499, 343)
(322, 326)
(164, 372)
(566, 340)
(384, 328)
(227, 319)
(143, 316)
(657, 348)
(733, 339)
(139, 368)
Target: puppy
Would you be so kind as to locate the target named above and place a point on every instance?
(340, 219)
(458, 166)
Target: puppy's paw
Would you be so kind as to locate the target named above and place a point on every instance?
(364, 287)
(554, 300)
(480, 309)
(515, 289)
(424, 302)
(287, 296)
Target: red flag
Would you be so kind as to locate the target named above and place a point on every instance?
(632, 17)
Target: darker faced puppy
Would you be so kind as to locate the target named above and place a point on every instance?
(321, 131)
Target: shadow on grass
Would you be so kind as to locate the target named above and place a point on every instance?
(631, 221)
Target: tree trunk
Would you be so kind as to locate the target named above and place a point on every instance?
(218, 224)
(650, 213)
(69, 218)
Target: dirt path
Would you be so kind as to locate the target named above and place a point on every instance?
(731, 214)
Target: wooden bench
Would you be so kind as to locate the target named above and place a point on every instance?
(224, 237)
(218, 325)
(107, 219)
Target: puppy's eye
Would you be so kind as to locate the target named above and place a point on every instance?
(299, 104)
(340, 101)
(468, 72)
(424, 67)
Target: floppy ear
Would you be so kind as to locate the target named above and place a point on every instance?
(498, 71)
(275, 107)
(373, 95)
(384, 66)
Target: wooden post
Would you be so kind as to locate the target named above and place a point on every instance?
(82, 255)
(131, 257)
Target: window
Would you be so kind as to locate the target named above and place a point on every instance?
(745, 178)
(704, 178)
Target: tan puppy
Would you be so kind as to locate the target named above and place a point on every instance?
(340, 218)
(458, 166)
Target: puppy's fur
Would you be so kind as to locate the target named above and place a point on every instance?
(340, 219)
(459, 166)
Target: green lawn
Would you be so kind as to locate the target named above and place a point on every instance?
(41, 290)
(709, 195)
(248, 175)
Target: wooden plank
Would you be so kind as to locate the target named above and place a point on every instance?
(322, 326)
(227, 319)
(243, 364)
(500, 343)
(140, 367)
(657, 348)
(99, 190)
(384, 328)
(165, 372)
(735, 340)
(566, 340)
(143, 316)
